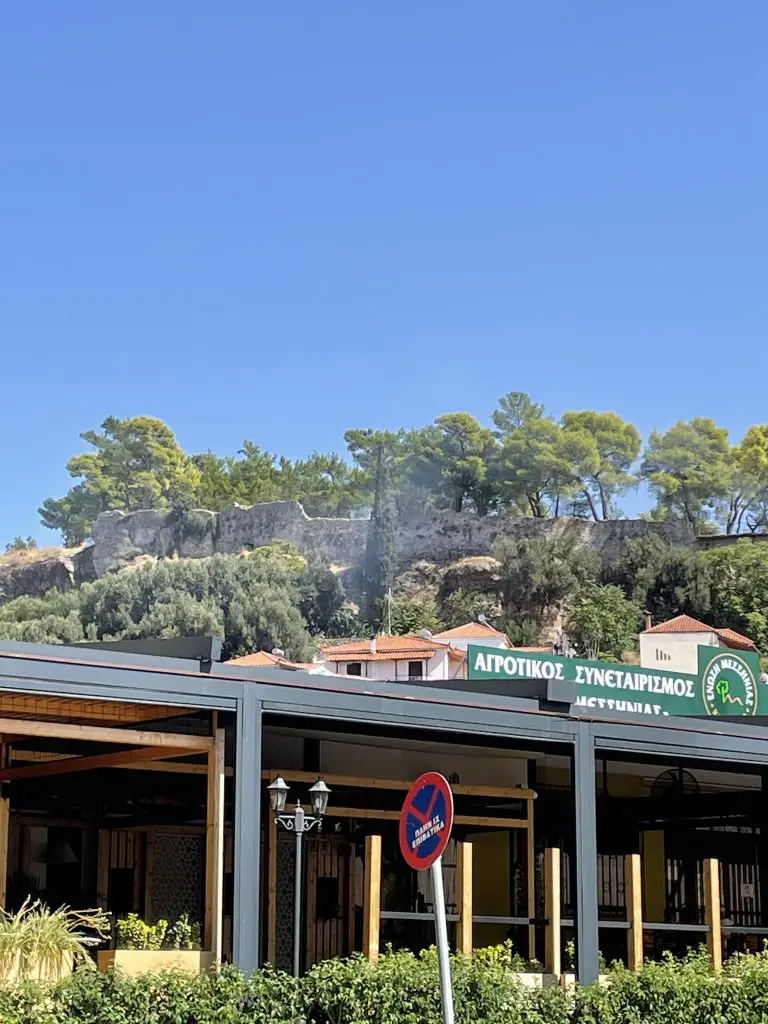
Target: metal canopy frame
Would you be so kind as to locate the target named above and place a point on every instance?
(250, 693)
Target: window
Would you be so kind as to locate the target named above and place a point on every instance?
(354, 668)
(415, 669)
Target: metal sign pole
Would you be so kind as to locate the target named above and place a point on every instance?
(441, 928)
(298, 825)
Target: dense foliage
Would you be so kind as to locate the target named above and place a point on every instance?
(529, 463)
(254, 602)
(403, 989)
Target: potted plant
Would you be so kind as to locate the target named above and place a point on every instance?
(145, 947)
(43, 944)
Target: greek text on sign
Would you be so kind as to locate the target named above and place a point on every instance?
(426, 820)
(727, 683)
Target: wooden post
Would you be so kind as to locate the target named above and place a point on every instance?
(5, 817)
(712, 913)
(531, 884)
(372, 899)
(214, 856)
(552, 904)
(633, 889)
(464, 897)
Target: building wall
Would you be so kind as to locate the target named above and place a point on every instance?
(676, 652)
(437, 667)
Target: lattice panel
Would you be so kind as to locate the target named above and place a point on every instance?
(178, 879)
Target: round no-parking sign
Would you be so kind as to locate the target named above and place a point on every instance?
(426, 820)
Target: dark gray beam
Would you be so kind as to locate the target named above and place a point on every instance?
(188, 648)
(683, 738)
(246, 916)
(586, 856)
(69, 672)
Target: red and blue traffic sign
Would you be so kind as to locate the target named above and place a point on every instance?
(426, 820)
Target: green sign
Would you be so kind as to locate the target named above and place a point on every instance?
(730, 681)
(727, 682)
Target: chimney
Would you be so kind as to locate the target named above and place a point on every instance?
(648, 620)
(373, 645)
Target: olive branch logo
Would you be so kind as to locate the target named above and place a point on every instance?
(722, 688)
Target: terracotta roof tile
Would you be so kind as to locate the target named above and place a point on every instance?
(469, 630)
(687, 624)
(682, 624)
(388, 648)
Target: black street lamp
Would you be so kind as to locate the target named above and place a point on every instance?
(298, 822)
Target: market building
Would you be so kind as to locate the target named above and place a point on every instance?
(136, 777)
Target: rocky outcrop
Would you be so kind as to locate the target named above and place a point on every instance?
(36, 578)
(479, 574)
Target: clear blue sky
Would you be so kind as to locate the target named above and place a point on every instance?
(280, 220)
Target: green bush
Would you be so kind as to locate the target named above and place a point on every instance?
(402, 989)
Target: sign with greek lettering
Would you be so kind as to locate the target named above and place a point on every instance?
(426, 820)
(727, 682)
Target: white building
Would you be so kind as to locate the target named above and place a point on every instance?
(394, 657)
(426, 656)
(674, 645)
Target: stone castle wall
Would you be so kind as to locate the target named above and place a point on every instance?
(441, 537)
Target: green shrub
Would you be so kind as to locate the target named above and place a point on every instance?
(402, 989)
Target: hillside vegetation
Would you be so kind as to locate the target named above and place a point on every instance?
(527, 463)
(272, 597)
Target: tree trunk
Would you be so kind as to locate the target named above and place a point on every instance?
(592, 506)
(603, 501)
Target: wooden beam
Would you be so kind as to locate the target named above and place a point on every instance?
(362, 782)
(531, 881)
(633, 888)
(372, 899)
(214, 860)
(104, 734)
(552, 911)
(482, 821)
(464, 898)
(66, 765)
(712, 913)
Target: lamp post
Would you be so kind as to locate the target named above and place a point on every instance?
(298, 822)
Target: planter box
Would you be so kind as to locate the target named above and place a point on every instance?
(531, 979)
(36, 973)
(143, 961)
(569, 980)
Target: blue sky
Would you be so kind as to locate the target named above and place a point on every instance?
(277, 221)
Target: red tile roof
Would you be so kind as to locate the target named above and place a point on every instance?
(265, 660)
(469, 630)
(388, 648)
(681, 624)
(687, 624)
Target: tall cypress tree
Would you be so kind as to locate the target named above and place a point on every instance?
(380, 550)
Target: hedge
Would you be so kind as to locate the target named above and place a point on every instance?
(403, 989)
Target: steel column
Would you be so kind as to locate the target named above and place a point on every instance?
(586, 856)
(246, 918)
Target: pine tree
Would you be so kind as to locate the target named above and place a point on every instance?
(380, 549)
